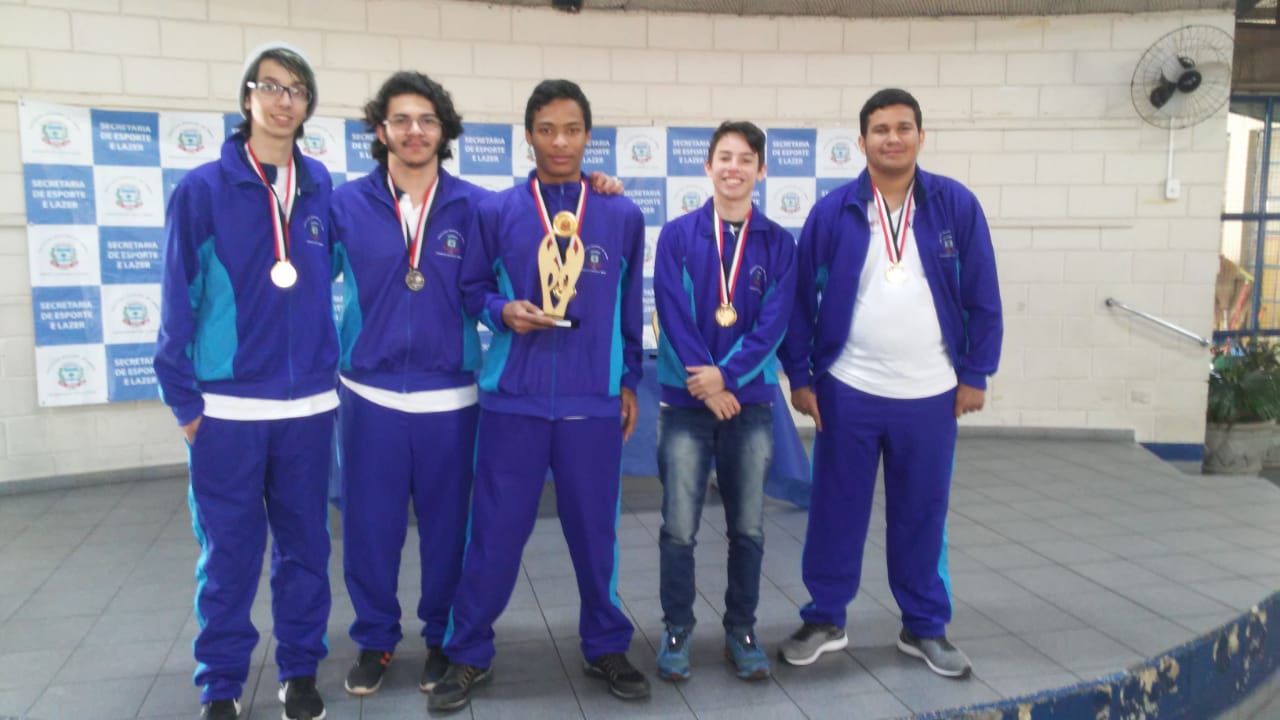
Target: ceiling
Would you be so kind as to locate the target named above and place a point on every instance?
(892, 8)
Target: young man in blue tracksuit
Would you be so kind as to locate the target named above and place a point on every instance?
(246, 359)
(550, 396)
(408, 359)
(724, 282)
(897, 325)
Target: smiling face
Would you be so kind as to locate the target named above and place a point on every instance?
(416, 145)
(892, 141)
(279, 116)
(559, 138)
(734, 168)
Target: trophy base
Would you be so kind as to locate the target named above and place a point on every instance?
(565, 322)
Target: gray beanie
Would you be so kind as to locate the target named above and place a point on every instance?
(250, 71)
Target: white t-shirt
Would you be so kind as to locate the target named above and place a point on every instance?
(895, 347)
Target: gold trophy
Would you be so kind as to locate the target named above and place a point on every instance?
(559, 274)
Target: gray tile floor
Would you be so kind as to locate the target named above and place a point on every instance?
(1069, 560)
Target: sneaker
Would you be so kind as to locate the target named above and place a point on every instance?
(749, 661)
(673, 658)
(301, 701)
(433, 671)
(810, 641)
(625, 681)
(453, 692)
(221, 710)
(365, 677)
(941, 656)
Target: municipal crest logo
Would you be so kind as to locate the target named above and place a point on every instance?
(134, 314)
(71, 375)
(790, 202)
(315, 228)
(947, 243)
(128, 196)
(64, 256)
(596, 261)
(758, 279)
(314, 145)
(190, 140)
(840, 152)
(55, 133)
(642, 152)
(691, 200)
(451, 244)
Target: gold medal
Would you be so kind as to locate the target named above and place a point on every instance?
(283, 274)
(414, 280)
(726, 316)
(896, 274)
(564, 224)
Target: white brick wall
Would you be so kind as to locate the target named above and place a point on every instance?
(1032, 112)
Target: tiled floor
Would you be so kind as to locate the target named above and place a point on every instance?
(1068, 560)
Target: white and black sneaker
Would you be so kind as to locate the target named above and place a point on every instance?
(300, 698)
(365, 677)
(221, 710)
(808, 643)
(941, 656)
(433, 670)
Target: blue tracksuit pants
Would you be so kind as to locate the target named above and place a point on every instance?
(512, 457)
(917, 440)
(390, 457)
(247, 476)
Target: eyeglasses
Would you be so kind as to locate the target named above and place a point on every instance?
(275, 91)
(403, 123)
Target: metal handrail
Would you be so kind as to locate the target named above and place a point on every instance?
(1204, 342)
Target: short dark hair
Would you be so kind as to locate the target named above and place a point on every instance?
(408, 82)
(749, 132)
(297, 66)
(549, 90)
(885, 98)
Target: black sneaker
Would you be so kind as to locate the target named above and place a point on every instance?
(301, 701)
(453, 692)
(221, 710)
(625, 681)
(433, 671)
(365, 677)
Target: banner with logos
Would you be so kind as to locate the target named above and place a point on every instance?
(96, 184)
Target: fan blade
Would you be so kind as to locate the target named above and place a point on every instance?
(1215, 71)
(1162, 93)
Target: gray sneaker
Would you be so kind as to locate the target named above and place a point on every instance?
(941, 656)
(810, 641)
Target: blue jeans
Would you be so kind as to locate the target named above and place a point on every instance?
(688, 439)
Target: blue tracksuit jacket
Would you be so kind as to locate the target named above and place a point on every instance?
(560, 372)
(959, 263)
(404, 341)
(686, 289)
(224, 327)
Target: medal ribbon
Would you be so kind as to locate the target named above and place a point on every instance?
(729, 284)
(897, 246)
(413, 243)
(281, 209)
(546, 218)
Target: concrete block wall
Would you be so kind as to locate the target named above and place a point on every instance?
(1032, 112)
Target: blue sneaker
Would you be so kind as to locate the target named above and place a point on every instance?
(749, 661)
(673, 657)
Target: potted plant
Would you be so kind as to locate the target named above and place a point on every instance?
(1244, 402)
